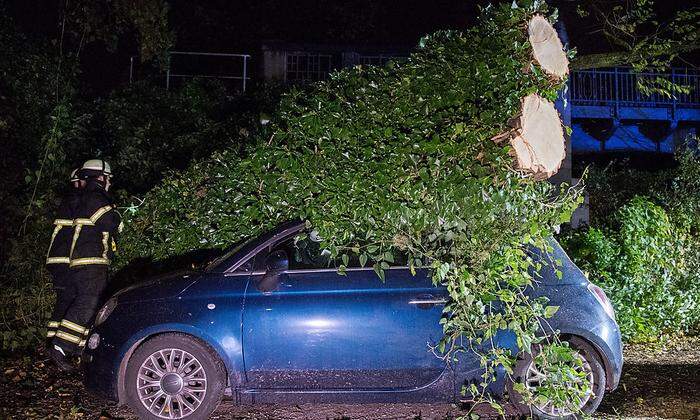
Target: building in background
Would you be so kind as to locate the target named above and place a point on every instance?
(610, 114)
(302, 63)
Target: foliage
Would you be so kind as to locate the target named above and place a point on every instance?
(381, 160)
(646, 254)
(639, 37)
(87, 21)
(144, 130)
(47, 129)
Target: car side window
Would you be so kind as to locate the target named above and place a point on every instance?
(306, 254)
(246, 267)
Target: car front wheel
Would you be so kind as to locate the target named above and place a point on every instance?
(174, 376)
(529, 374)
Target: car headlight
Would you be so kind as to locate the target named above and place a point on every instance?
(105, 311)
(94, 341)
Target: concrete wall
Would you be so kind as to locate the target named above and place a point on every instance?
(563, 105)
(274, 65)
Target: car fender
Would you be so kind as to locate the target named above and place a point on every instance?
(609, 349)
(231, 356)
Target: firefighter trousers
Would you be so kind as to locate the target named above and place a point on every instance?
(76, 305)
(65, 294)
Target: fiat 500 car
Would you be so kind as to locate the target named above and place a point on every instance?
(268, 321)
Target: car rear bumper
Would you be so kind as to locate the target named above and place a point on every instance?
(609, 344)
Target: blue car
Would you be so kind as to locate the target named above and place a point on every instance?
(269, 321)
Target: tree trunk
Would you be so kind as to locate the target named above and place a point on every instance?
(547, 48)
(537, 140)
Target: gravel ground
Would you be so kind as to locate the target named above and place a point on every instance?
(661, 381)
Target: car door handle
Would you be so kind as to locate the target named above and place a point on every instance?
(427, 301)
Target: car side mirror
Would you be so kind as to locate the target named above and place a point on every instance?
(275, 264)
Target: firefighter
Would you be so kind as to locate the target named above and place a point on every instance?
(57, 262)
(92, 248)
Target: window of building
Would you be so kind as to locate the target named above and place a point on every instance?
(308, 67)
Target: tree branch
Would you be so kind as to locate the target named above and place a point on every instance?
(620, 58)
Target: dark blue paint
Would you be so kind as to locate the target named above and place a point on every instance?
(321, 336)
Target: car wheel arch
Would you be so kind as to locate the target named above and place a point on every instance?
(607, 368)
(234, 376)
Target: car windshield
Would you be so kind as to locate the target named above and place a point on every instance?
(214, 264)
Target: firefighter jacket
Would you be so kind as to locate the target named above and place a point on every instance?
(62, 237)
(95, 228)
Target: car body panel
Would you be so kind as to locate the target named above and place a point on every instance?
(323, 330)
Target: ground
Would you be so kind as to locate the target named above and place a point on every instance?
(660, 380)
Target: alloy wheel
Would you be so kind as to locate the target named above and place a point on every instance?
(535, 377)
(171, 383)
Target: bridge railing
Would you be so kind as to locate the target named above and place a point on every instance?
(618, 87)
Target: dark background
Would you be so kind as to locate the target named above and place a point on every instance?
(241, 26)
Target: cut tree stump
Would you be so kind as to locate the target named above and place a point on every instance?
(538, 141)
(547, 48)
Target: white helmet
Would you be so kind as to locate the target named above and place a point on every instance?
(98, 165)
(74, 175)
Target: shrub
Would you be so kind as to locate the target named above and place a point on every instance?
(142, 130)
(646, 254)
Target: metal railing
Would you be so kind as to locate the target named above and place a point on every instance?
(242, 76)
(618, 87)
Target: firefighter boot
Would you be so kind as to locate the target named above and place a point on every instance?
(59, 357)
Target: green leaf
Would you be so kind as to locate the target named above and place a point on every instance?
(363, 259)
(550, 311)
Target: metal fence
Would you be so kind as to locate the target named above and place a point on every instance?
(619, 87)
(225, 66)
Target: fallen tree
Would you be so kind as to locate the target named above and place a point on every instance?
(439, 158)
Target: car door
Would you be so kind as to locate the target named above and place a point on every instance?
(317, 329)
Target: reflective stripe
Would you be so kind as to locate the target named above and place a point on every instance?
(82, 343)
(105, 244)
(63, 222)
(76, 234)
(89, 261)
(53, 324)
(79, 223)
(100, 212)
(58, 260)
(94, 218)
(50, 333)
(53, 238)
(68, 337)
(73, 326)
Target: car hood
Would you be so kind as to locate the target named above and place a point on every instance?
(160, 287)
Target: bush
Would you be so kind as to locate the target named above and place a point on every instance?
(646, 254)
(142, 130)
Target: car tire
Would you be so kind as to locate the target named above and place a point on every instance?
(174, 376)
(589, 355)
